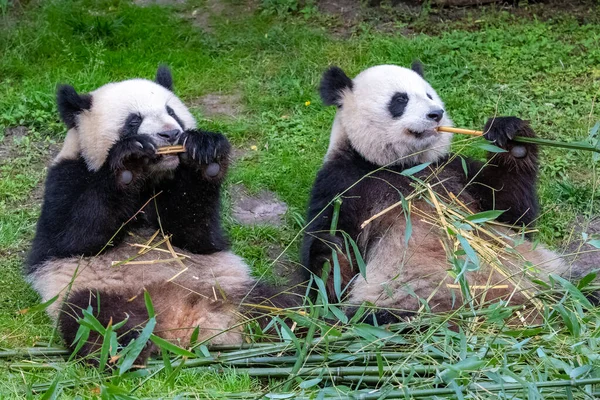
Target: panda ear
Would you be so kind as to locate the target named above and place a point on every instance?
(70, 103)
(164, 77)
(333, 83)
(418, 68)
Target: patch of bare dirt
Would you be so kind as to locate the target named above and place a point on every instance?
(204, 17)
(262, 208)
(219, 105)
(11, 135)
(407, 17)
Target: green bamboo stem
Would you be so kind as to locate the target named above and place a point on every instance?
(554, 143)
(534, 140)
(34, 352)
(334, 372)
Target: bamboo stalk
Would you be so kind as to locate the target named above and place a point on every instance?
(34, 352)
(521, 139)
(170, 149)
(278, 372)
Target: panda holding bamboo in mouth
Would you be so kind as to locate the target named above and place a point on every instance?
(387, 122)
(108, 191)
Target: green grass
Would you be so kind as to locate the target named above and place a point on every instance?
(544, 71)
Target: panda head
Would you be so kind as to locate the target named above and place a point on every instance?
(97, 120)
(388, 114)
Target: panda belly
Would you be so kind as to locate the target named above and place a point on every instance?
(399, 275)
(183, 297)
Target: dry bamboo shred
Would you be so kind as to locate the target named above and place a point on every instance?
(170, 150)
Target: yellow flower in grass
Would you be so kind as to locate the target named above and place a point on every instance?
(253, 147)
(307, 103)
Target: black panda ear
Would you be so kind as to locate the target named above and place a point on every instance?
(333, 83)
(164, 77)
(418, 68)
(70, 103)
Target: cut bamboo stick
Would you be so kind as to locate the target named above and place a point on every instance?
(170, 149)
(462, 131)
(521, 139)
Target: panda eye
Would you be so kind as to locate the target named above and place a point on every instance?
(429, 96)
(398, 104)
(400, 98)
(170, 112)
(134, 120)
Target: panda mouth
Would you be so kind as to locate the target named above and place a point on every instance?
(427, 133)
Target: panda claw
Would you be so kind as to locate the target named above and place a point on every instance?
(140, 145)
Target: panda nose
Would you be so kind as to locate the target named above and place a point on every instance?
(436, 115)
(170, 136)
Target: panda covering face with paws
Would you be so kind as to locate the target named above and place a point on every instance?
(108, 191)
(386, 123)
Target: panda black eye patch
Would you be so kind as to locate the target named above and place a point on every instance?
(429, 96)
(171, 112)
(397, 104)
(132, 124)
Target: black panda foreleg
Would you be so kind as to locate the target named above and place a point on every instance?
(189, 205)
(83, 209)
(508, 180)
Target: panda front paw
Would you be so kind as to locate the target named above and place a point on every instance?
(132, 153)
(502, 130)
(207, 151)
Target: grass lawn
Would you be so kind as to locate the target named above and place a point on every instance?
(268, 62)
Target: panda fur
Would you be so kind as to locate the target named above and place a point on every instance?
(386, 122)
(107, 189)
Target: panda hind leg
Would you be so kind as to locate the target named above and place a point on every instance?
(380, 316)
(107, 308)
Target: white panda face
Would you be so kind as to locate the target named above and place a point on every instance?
(390, 115)
(121, 109)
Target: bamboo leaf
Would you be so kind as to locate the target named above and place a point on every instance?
(53, 391)
(415, 169)
(362, 267)
(583, 282)
(204, 350)
(166, 361)
(120, 324)
(485, 216)
(464, 166)
(133, 350)
(81, 337)
(105, 349)
(93, 322)
(595, 243)
(490, 147)
(165, 344)
(194, 336)
(573, 291)
(407, 218)
(337, 276)
(580, 371)
(468, 250)
(149, 305)
(339, 314)
(310, 383)
(39, 307)
(322, 292)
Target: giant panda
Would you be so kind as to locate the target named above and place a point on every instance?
(107, 191)
(386, 123)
